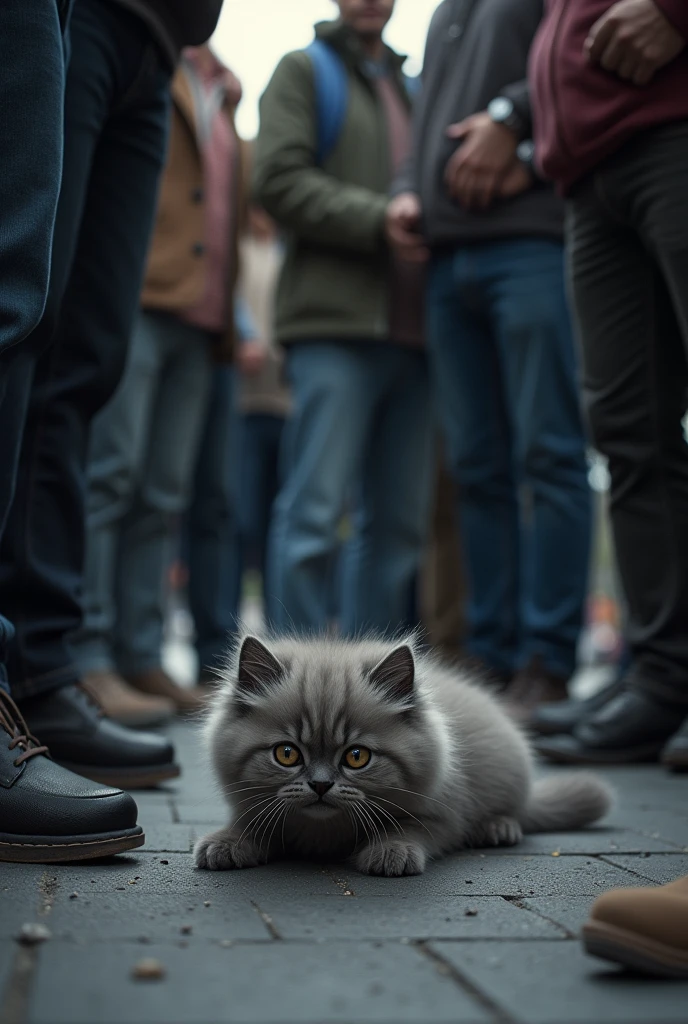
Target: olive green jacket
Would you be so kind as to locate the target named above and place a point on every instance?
(334, 282)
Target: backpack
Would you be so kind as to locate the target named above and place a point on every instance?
(332, 95)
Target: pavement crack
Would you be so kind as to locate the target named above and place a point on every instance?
(520, 902)
(341, 883)
(15, 1001)
(450, 970)
(47, 887)
(267, 921)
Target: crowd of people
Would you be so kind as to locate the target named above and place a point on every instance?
(343, 355)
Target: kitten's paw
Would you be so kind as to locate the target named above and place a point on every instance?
(502, 831)
(393, 858)
(219, 851)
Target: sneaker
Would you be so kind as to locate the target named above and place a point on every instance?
(123, 704)
(49, 815)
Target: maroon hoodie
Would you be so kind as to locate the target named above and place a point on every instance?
(581, 113)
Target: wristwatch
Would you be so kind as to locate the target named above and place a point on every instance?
(502, 111)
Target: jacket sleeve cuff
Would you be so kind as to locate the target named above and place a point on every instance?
(676, 11)
(519, 94)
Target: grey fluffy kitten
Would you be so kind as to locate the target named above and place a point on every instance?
(329, 749)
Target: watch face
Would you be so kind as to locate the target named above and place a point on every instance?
(500, 109)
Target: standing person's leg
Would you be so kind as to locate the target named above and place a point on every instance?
(391, 523)
(633, 322)
(116, 110)
(31, 144)
(45, 812)
(530, 319)
(468, 383)
(214, 571)
(161, 496)
(334, 395)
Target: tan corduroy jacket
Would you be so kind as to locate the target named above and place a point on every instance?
(175, 274)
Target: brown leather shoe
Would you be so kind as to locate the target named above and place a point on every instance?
(643, 929)
(157, 682)
(125, 704)
(532, 686)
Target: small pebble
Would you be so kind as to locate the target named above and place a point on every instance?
(555, 853)
(469, 881)
(186, 929)
(206, 903)
(470, 913)
(120, 888)
(32, 934)
(164, 862)
(74, 896)
(226, 943)
(149, 970)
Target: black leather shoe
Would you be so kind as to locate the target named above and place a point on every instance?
(565, 715)
(83, 739)
(631, 728)
(48, 814)
(675, 753)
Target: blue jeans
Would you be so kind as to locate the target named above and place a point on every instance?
(30, 171)
(504, 370)
(143, 452)
(360, 436)
(211, 529)
(257, 477)
(115, 129)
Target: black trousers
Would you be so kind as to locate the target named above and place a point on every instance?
(115, 130)
(628, 251)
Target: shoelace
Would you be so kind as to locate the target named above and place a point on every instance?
(14, 725)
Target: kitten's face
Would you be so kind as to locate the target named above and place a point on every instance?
(325, 731)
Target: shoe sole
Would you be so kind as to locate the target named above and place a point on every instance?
(632, 755)
(63, 849)
(126, 778)
(636, 952)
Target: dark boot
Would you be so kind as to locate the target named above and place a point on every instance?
(48, 814)
(82, 738)
(563, 716)
(632, 728)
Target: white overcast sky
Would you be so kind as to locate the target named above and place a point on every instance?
(254, 34)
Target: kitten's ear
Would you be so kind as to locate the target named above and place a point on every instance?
(395, 674)
(258, 668)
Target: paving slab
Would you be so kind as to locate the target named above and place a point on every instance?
(169, 838)
(274, 982)
(569, 912)
(660, 868)
(414, 917)
(134, 916)
(545, 982)
(507, 875)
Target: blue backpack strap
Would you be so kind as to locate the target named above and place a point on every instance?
(331, 96)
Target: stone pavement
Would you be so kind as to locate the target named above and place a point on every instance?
(481, 937)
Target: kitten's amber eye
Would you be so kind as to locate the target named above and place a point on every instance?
(287, 755)
(356, 757)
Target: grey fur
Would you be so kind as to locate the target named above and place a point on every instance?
(449, 769)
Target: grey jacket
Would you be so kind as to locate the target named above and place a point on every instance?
(476, 50)
(177, 23)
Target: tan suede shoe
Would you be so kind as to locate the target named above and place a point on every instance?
(157, 683)
(126, 705)
(643, 929)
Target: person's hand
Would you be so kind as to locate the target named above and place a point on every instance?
(516, 180)
(474, 172)
(251, 356)
(633, 40)
(402, 227)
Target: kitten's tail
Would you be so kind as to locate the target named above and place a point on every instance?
(562, 802)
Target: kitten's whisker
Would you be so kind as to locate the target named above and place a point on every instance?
(249, 809)
(411, 792)
(280, 816)
(407, 813)
(366, 811)
(257, 816)
(357, 811)
(273, 816)
(284, 821)
(387, 814)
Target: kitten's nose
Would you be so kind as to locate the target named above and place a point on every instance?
(321, 787)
